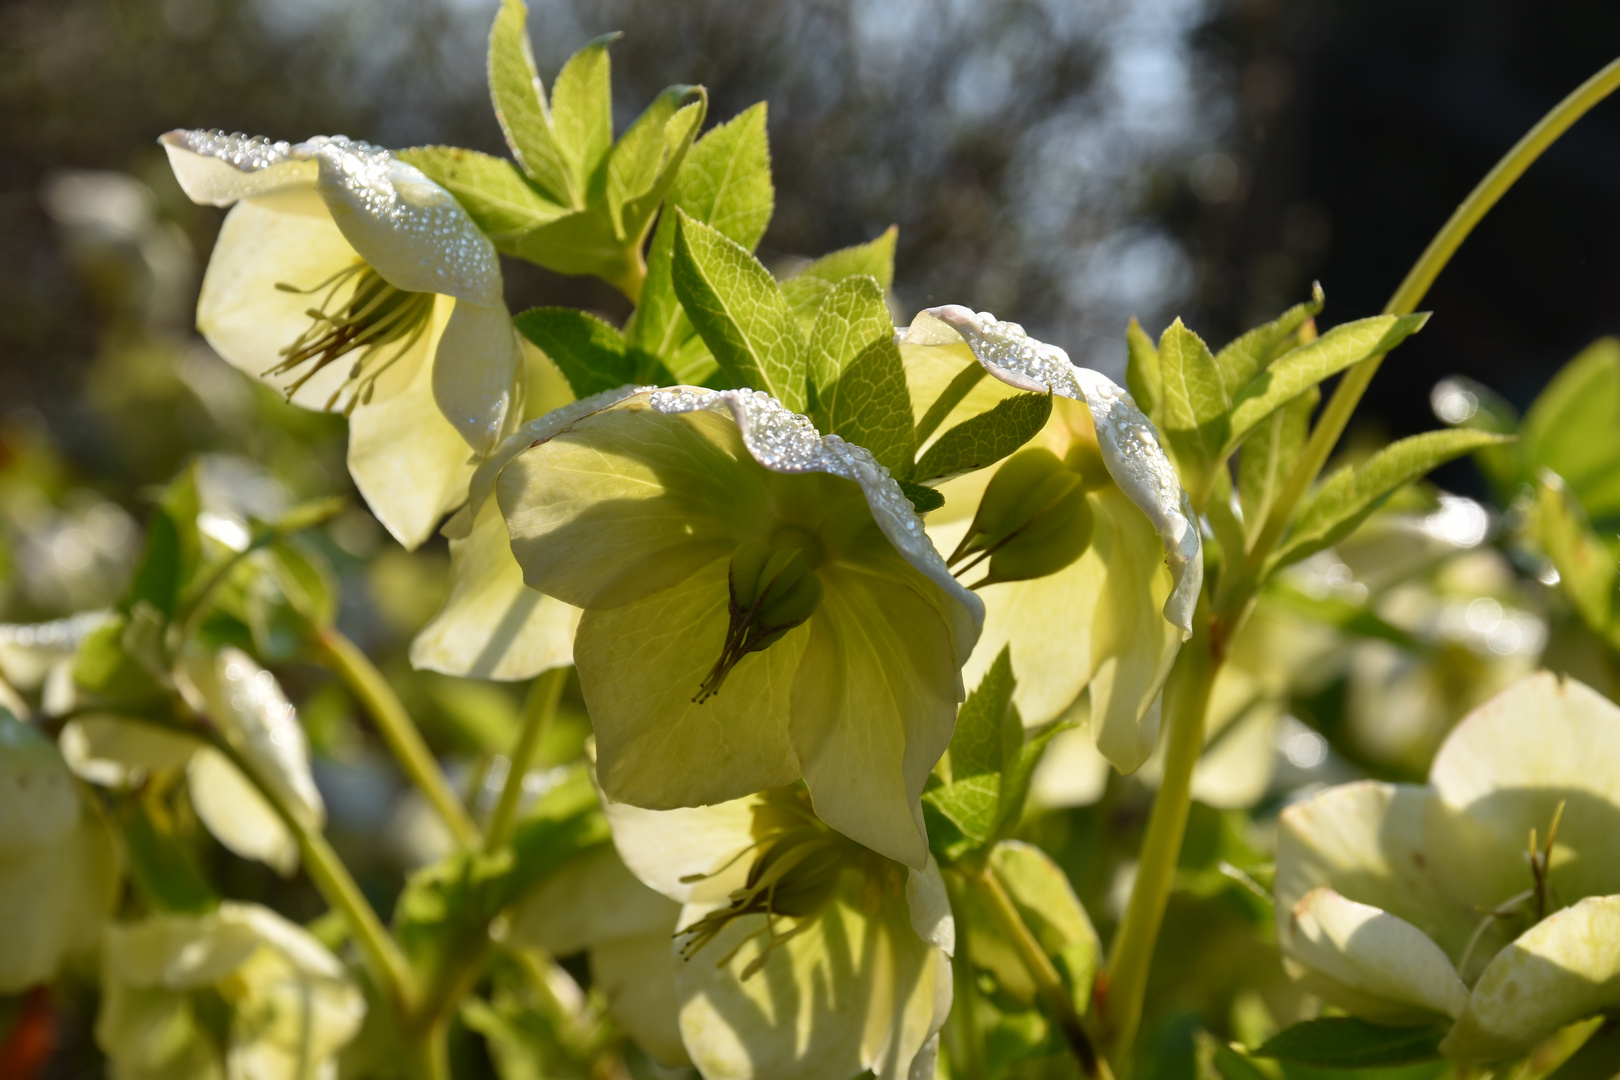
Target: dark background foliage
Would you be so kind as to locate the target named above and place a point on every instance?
(1067, 165)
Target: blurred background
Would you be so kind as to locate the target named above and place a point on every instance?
(1065, 163)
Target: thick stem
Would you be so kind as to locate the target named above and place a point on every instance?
(963, 1040)
(537, 714)
(1411, 291)
(1048, 983)
(1185, 698)
(367, 683)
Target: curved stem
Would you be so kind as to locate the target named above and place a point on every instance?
(367, 683)
(427, 1053)
(1407, 296)
(1054, 995)
(388, 965)
(537, 714)
(1185, 700)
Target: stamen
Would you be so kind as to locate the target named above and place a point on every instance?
(370, 316)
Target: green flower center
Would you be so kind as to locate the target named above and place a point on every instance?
(1034, 519)
(1540, 894)
(773, 589)
(371, 319)
(794, 876)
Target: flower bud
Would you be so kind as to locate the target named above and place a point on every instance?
(1034, 518)
(773, 590)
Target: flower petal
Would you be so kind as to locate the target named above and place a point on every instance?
(1504, 770)
(637, 976)
(238, 816)
(38, 802)
(53, 901)
(492, 626)
(930, 907)
(1369, 962)
(588, 900)
(785, 442)
(246, 704)
(177, 952)
(625, 501)
(874, 705)
(217, 169)
(1129, 443)
(475, 369)
(1563, 969)
(677, 851)
(1365, 840)
(113, 752)
(853, 991)
(408, 460)
(412, 231)
(288, 239)
(641, 664)
(1131, 650)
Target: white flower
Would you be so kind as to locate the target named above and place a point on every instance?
(1113, 618)
(246, 705)
(1488, 900)
(803, 956)
(58, 866)
(349, 280)
(290, 1004)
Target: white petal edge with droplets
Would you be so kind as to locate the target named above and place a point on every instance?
(411, 230)
(1129, 444)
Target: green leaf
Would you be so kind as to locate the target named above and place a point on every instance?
(857, 379)
(1343, 1042)
(808, 288)
(1254, 351)
(1230, 541)
(1268, 455)
(520, 106)
(1195, 403)
(163, 868)
(1352, 493)
(582, 115)
(502, 202)
(591, 354)
(643, 163)
(740, 313)
(985, 439)
(724, 181)
(1585, 561)
(1142, 374)
(969, 800)
(105, 668)
(1597, 1059)
(1042, 894)
(1299, 369)
(1573, 428)
(1462, 402)
(922, 498)
(173, 551)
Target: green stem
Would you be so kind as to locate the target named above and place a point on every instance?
(427, 1052)
(326, 870)
(1186, 697)
(1411, 291)
(1048, 984)
(537, 714)
(963, 1040)
(394, 723)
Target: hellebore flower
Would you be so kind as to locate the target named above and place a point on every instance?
(58, 867)
(348, 280)
(240, 993)
(1488, 900)
(761, 604)
(802, 955)
(246, 705)
(1092, 559)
